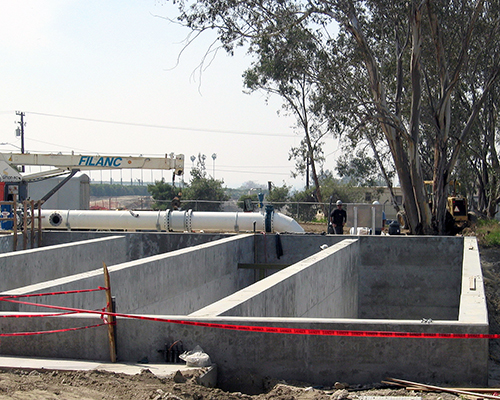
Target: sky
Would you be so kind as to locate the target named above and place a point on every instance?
(115, 78)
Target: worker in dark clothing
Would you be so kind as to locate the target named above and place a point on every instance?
(338, 218)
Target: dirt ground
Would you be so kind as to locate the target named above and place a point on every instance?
(86, 385)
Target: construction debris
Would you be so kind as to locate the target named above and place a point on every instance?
(469, 393)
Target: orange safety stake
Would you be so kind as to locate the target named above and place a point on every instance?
(109, 318)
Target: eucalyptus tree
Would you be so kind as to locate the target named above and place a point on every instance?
(481, 160)
(359, 169)
(393, 69)
(414, 68)
(285, 65)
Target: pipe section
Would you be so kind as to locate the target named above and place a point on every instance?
(169, 220)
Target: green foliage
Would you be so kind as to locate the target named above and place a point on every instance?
(163, 193)
(339, 190)
(391, 75)
(203, 188)
(247, 188)
(488, 233)
(235, 194)
(279, 195)
(321, 220)
(359, 169)
(303, 211)
(283, 66)
(307, 210)
(106, 190)
(205, 193)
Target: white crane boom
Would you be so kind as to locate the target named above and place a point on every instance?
(68, 162)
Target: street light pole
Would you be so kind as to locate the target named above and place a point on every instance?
(214, 156)
(21, 133)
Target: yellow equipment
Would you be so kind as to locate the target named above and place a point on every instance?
(456, 204)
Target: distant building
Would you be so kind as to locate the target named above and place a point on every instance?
(74, 195)
(386, 200)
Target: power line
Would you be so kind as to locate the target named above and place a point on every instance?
(162, 126)
(254, 172)
(60, 145)
(255, 166)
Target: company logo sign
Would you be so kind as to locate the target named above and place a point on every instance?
(90, 161)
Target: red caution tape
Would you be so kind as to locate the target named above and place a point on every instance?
(52, 293)
(37, 315)
(288, 331)
(53, 331)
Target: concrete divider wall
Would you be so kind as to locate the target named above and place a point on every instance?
(32, 266)
(324, 285)
(6, 243)
(177, 282)
(296, 247)
(473, 297)
(410, 277)
(87, 344)
(246, 359)
(401, 277)
(139, 244)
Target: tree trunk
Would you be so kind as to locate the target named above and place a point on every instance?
(407, 167)
(384, 172)
(414, 140)
(493, 195)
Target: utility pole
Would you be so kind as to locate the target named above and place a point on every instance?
(307, 172)
(20, 132)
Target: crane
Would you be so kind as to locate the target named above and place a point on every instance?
(15, 183)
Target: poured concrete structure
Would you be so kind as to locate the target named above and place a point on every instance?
(375, 283)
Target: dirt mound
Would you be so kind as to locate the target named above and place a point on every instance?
(45, 385)
(85, 385)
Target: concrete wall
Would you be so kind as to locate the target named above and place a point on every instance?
(246, 359)
(139, 244)
(410, 277)
(178, 282)
(324, 285)
(87, 344)
(295, 247)
(167, 284)
(27, 267)
(472, 297)
(6, 243)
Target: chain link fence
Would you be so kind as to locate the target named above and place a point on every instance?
(314, 213)
(300, 211)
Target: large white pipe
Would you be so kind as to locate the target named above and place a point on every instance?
(176, 221)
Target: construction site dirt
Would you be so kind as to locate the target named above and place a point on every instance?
(69, 385)
(49, 384)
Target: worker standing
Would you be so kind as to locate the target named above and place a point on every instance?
(339, 218)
